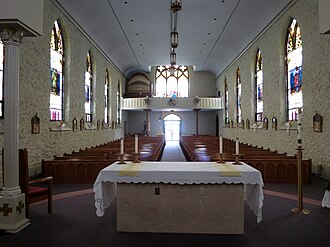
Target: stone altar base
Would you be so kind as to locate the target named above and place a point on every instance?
(174, 208)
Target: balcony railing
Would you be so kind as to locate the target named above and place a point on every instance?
(172, 103)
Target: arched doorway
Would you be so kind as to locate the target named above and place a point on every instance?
(172, 125)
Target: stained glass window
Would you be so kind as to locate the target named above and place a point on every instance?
(118, 102)
(88, 89)
(226, 102)
(172, 83)
(56, 101)
(259, 80)
(294, 70)
(1, 78)
(238, 96)
(106, 97)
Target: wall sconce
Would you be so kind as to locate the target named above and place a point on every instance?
(173, 58)
(176, 5)
(288, 126)
(254, 127)
(174, 39)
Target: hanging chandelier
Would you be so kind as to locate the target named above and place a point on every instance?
(176, 5)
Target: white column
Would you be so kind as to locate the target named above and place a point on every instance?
(12, 44)
(12, 201)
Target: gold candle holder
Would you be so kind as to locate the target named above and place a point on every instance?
(237, 158)
(121, 161)
(220, 161)
(136, 158)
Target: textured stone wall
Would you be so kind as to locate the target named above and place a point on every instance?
(35, 90)
(316, 86)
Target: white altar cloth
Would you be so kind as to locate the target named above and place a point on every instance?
(105, 186)
(326, 199)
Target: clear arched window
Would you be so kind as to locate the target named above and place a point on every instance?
(118, 102)
(106, 97)
(226, 102)
(1, 78)
(238, 97)
(259, 80)
(294, 60)
(56, 101)
(88, 89)
(172, 82)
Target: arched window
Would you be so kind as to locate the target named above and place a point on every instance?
(106, 97)
(118, 103)
(88, 89)
(226, 102)
(294, 60)
(56, 101)
(1, 78)
(172, 82)
(238, 97)
(259, 80)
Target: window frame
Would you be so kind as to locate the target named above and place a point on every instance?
(294, 42)
(179, 72)
(60, 49)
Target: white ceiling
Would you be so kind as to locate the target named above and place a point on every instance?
(135, 34)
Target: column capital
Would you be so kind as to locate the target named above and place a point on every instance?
(11, 35)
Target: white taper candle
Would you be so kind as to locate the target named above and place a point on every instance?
(122, 146)
(220, 145)
(237, 146)
(136, 143)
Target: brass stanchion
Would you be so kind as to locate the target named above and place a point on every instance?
(300, 209)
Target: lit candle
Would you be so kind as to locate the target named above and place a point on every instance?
(136, 144)
(237, 146)
(220, 145)
(122, 146)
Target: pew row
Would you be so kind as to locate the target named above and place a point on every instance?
(83, 166)
(274, 167)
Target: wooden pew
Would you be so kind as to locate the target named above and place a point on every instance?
(84, 165)
(274, 167)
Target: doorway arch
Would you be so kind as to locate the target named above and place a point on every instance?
(172, 124)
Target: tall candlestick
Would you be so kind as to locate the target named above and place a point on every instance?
(136, 144)
(220, 145)
(122, 146)
(237, 146)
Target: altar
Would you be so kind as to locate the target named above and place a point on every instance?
(185, 197)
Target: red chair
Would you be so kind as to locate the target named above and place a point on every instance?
(33, 193)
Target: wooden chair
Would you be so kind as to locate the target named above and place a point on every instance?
(33, 193)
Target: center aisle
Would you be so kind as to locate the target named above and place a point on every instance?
(173, 152)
